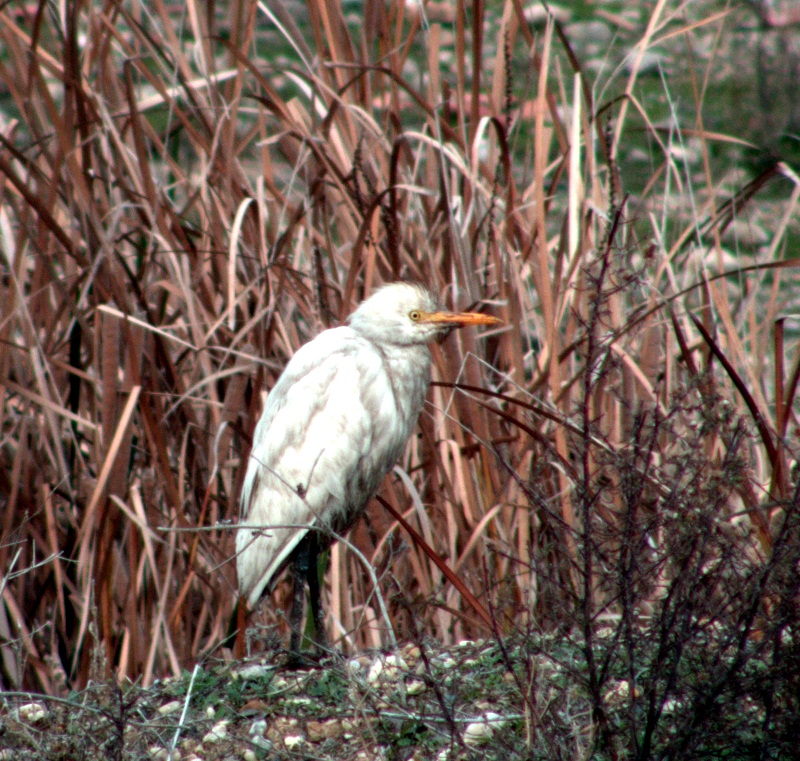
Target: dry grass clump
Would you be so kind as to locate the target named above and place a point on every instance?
(187, 198)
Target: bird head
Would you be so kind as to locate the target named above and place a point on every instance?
(407, 313)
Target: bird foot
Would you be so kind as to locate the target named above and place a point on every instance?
(298, 661)
(308, 660)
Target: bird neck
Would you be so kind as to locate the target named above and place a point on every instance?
(408, 368)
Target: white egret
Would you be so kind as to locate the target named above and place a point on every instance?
(334, 424)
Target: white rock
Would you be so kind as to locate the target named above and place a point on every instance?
(386, 669)
(415, 687)
(254, 671)
(619, 693)
(299, 701)
(478, 732)
(162, 754)
(32, 712)
(218, 733)
(261, 742)
(357, 666)
(258, 728)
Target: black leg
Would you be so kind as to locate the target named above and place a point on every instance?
(314, 594)
(300, 566)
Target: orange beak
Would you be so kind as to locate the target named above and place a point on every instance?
(459, 319)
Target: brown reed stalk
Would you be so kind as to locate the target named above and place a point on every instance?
(186, 200)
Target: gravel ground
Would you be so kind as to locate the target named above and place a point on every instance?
(473, 701)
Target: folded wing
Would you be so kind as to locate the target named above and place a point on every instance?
(319, 451)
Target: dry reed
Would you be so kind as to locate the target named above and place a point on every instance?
(187, 199)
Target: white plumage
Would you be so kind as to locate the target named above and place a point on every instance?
(336, 421)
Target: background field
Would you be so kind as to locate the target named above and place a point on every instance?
(189, 192)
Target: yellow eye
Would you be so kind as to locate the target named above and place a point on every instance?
(414, 315)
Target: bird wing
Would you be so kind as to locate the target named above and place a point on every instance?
(318, 452)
